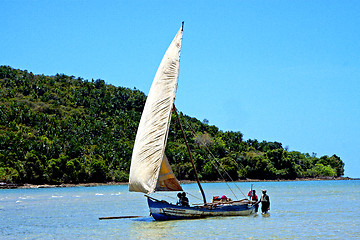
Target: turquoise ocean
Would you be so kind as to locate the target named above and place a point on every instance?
(299, 210)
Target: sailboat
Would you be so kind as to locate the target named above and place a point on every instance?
(150, 170)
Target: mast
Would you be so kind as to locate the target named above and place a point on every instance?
(191, 159)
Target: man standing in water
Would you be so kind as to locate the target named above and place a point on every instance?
(265, 202)
(254, 198)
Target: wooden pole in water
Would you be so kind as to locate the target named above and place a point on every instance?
(120, 217)
(191, 159)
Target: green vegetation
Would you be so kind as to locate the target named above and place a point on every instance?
(62, 129)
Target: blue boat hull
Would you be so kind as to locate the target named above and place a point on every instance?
(162, 210)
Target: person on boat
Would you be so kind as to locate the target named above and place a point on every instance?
(179, 195)
(265, 202)
(183, 200)
(254, 198)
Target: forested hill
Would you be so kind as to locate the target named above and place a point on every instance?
(63, 129)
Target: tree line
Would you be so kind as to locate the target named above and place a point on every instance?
(63, 129)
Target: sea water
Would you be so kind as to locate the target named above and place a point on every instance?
(299, 210)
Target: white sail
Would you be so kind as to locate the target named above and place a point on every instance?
(148, 159)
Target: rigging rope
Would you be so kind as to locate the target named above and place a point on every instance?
(212, 155)
(194, 196)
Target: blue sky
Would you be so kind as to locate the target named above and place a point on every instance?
(286, 71)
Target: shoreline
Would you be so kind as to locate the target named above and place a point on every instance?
(28, 186)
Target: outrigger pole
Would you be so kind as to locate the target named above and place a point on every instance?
(120, 217)
(191, 159)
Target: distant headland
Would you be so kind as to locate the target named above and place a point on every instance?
(62, 130)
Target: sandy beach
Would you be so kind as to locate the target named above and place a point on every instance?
(26, 185)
